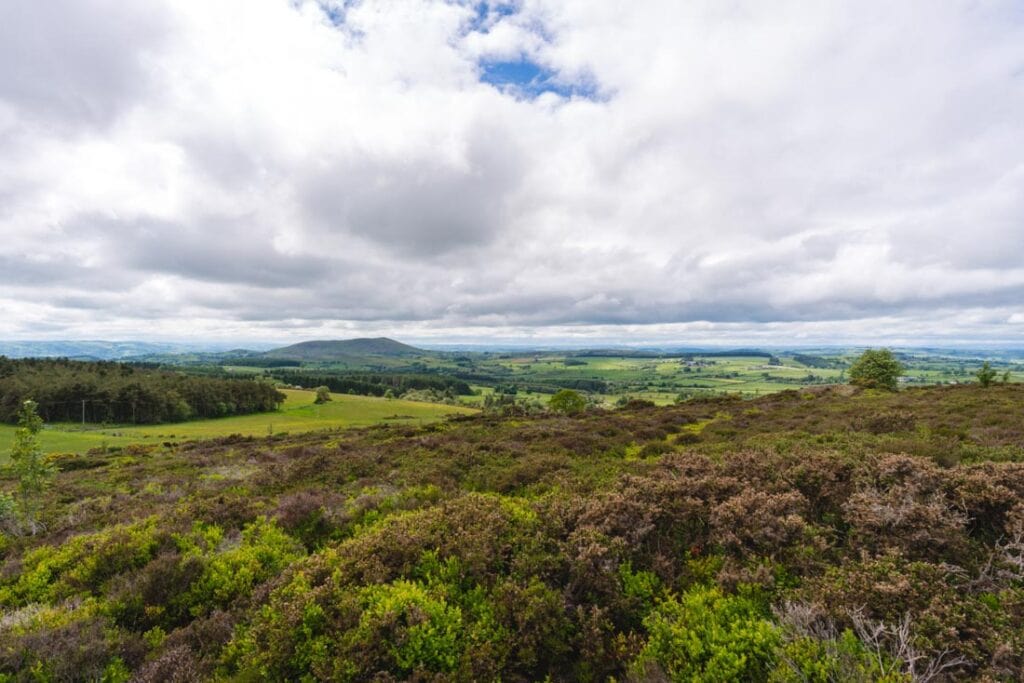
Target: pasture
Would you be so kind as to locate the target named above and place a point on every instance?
(297, 414)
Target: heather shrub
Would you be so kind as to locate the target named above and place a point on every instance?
(366, 555)
(67, 645)
(758, 522)
(154, 595)
(304, 514)
(886, 422)
(943, 616)
(903, 506)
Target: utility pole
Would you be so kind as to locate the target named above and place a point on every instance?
(83, 412)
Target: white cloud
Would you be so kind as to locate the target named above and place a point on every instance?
(274, 167)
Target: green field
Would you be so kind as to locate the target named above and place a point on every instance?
(297, 414)
(610, 378)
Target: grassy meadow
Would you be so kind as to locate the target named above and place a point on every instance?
(297, 414)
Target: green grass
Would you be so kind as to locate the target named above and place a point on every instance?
(297, 414)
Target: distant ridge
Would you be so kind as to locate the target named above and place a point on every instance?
(87, 350)
(342, 349)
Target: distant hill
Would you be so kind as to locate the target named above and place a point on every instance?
(345, 349)
(86, 350)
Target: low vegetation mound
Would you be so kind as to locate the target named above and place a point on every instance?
(838, 535)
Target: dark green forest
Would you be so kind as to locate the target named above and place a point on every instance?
(374, 384)
(834, 534)
(109, 392)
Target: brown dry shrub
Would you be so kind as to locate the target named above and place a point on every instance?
(307, 515)
(204, 636)
(988, 492)
(904, 506)
(229, 509)
(886, 422)
(659, 517)
(759, 522)
(174, 665)
(78, 651)
(945, 616)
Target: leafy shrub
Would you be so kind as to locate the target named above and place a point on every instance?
(841, 657)
(82, 564)
(708, 636)
(230, 574)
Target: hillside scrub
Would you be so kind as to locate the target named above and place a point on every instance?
(812, 536)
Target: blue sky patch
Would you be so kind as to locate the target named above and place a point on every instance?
(529, 79)
(484, 12)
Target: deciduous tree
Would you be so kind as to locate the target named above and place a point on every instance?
(568, 402)
(877, 369)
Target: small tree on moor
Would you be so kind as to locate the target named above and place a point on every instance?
(567, 401)
(29, 466)
(323, 395)
(985, 374)
(876, 369)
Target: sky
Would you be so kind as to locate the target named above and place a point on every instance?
(634, 171)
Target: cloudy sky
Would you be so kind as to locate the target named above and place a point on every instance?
(634, 170)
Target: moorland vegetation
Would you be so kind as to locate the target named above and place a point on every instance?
(834, 534)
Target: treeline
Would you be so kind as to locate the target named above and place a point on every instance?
(598, 386)
(254, 362)
(110, 392)
(816, 361)
(504, 384)
(376, 384)
(736, 353)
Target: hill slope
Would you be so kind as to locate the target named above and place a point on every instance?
(833, 535)
(345, 349)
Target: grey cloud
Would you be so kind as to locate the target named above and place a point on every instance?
(422, 206)
(24, 270)
(76, 63)
(214, 249)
